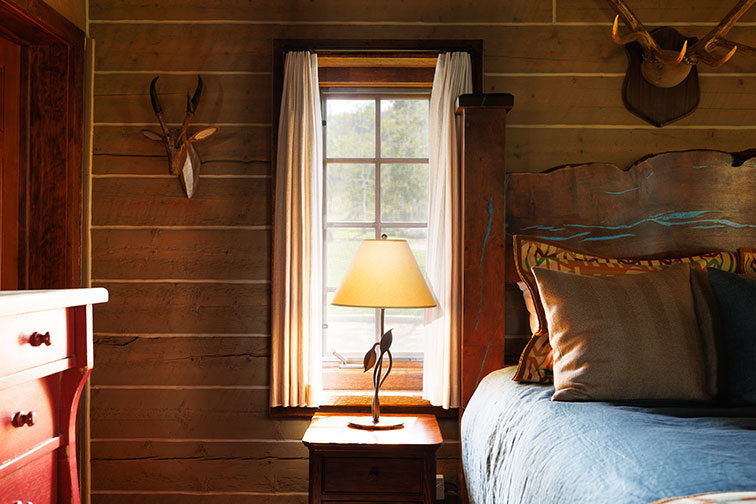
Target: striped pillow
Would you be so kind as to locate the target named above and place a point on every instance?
(623, 337)
(747, 261)
(536, 360)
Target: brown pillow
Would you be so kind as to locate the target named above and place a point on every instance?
(623, 337)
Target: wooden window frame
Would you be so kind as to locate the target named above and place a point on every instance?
(403, 402)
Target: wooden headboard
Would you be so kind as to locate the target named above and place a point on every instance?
(669, 204)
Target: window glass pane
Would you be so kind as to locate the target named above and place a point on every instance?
(349, 330)
(350, 191)
(407, 328)
(417, 239)
(404, 192)
(350, 128)
(404, 128)
(341, 247)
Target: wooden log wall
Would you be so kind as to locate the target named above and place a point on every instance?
(180, 388)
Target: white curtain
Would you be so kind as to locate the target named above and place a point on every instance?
(297, 239)
(453, 77)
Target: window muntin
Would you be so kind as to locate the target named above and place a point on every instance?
(375, 181)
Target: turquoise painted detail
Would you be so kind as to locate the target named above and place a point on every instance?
(615, 193)
(563, 238)
(599, 238)
(696, 219)
(544, 228)
(649, 175)
(480, 298)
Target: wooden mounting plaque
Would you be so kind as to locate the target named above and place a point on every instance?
(655, 105)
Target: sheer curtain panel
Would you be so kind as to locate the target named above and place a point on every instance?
(453, 77)
(297, 239)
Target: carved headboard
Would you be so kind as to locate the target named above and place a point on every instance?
(674, 203)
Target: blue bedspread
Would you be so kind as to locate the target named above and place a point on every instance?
(519, 447)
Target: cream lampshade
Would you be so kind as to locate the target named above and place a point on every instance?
(383, 274)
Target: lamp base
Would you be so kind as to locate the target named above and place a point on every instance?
(366, 423)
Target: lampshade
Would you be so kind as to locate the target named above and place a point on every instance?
(384, 274)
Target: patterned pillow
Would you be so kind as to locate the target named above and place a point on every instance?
(747, 261)
(536, 360)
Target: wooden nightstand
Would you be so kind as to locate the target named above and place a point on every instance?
(354, 465)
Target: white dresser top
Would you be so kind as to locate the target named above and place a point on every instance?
(12, 302)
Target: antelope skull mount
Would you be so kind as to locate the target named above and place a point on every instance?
(666, 68)
(182, 157)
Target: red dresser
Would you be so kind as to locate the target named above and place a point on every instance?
(45, 359)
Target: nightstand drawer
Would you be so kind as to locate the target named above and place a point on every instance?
(373, 475)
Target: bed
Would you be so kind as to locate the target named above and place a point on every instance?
(519, 446)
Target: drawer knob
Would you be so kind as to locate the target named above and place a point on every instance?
(37, 339)
(21, 418)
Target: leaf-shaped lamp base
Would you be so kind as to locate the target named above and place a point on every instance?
(385, 423)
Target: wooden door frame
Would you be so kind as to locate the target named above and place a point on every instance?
(51, 175)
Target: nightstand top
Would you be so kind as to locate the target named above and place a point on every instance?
(331, 428)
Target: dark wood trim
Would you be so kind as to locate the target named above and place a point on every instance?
(52, 99)
(483, 213)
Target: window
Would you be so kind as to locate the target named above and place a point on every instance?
(375, 181)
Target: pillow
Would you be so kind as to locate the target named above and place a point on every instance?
(623, 337)
(736, 297)
(747, 261)
(536, 360)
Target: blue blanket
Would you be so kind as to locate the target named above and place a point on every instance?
(519, 447)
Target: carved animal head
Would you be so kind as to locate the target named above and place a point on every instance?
(182, 158)
(666, 68)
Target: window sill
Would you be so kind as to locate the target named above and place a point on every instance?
(359, 401)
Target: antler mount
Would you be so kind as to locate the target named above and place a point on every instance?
(666, 68)
(183, 159)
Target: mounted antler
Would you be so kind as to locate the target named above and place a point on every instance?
(665, 68)
(182, 157)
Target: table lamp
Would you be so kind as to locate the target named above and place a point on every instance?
(383, 274)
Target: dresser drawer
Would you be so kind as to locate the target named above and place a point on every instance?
(42, 397)
(372, 475)
(35, 482)
(22, 350)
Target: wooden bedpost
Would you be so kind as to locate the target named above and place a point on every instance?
(483, 187)
(483, 120)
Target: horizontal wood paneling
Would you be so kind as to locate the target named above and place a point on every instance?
(572, 117)
(240, 47)
(161, 201)
(121, 164)
(427, 11)
(597, 100)
(238, 143)
(236, 466)
(651, 11)
(223, 254)
(537, 149)
(124, 98)
(180, 413)
(207, 308)
(208, 360)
